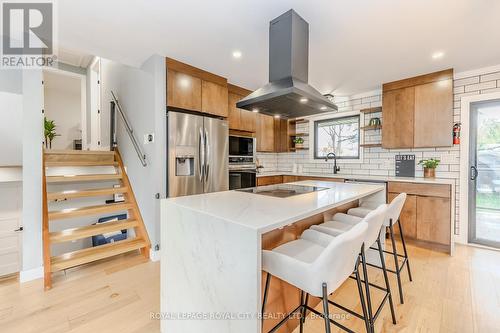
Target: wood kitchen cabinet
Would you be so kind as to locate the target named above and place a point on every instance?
(281, 135)
(183, 91)
(214, 98)
(418, 112)
(265, 133)
(239, 119)
(426, 214)
(397, 110)
(193, 89)
(269, 180)
(408, 216)
(432, 213)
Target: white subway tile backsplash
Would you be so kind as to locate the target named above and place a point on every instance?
(481, 86)
(490, 77)
(466, 81)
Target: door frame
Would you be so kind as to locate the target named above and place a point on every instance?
(466, 103)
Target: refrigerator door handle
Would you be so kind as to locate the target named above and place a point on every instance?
(201, 155)
(207, 155)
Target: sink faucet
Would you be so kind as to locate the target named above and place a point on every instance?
(335, 167)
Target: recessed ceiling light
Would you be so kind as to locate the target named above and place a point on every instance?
(323, 108)
(437, 55)
(237, 54)
(303, 100)
(277, 116)
(255, 110)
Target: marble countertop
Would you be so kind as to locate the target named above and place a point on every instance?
(264, 213)
(363, 177)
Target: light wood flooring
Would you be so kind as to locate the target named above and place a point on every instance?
(448, 294)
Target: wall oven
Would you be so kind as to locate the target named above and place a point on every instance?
(242, 168)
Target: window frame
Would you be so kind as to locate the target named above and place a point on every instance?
(315, 128)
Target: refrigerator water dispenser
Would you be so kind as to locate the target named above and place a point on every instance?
(184, 165)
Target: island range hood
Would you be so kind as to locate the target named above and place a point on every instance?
(288, 94)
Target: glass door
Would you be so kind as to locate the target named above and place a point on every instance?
(484, 176)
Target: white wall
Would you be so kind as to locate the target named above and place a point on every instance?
(11, 111)
(141, 93)
(32, 169)
(62, 103)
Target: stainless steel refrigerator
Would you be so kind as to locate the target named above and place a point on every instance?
(198, 149)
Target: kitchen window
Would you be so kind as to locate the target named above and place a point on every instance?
(337, 135)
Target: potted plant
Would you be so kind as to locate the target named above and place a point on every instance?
(49, 132)
(430, 166)
(299, 142)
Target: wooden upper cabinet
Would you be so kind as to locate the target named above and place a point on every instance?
(234, 114)
(183, 91)
(418, 112)
(280, 135)
(265, 133)
(397, 114)
(434, 114)
(248, 121)
(194, 89)
(239, 119)
(214, 98)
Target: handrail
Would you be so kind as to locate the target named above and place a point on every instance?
(129, 129)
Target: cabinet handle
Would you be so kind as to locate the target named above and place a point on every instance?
(20, 229)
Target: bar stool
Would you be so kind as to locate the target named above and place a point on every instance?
(343, 223)
(317, 264)
(393, 212)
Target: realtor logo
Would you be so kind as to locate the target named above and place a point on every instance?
(27, 28)
(27, 34)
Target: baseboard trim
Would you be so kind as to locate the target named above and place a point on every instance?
(154, 255)
(31, 274)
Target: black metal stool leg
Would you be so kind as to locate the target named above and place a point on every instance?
(264, 299)
(362, 298)
(303, 312)
(326, 312)
(367, 286)
(386, 278)
(396, 261)
(404, 249)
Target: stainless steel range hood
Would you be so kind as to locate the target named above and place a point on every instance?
(287, 94)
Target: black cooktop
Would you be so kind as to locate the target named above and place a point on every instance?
(282, 190)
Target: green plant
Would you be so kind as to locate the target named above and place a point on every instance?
(430, 163)
(298, 140)
(49, 131)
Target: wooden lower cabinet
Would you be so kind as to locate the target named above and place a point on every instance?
(290, 179)
(426, 215)
(433, 219)
(408, 216)
(269, 180)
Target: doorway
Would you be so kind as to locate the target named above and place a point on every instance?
(65, 107)
(484, 173)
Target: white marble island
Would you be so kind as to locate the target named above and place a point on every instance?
(211, 253)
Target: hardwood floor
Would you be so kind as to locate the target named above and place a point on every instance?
(448, 294)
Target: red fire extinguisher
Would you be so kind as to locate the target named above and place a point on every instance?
(456, 134)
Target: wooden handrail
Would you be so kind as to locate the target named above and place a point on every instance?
(45, 230)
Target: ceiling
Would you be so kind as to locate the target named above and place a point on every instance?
(354, 45)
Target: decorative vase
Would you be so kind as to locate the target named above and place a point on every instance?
(429, 172)
(299, 145)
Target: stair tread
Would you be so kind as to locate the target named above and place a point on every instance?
(83, 178)
(80, 163)
(91, 230)
(78, 152)
(71, 194)
(80, 257)
(88, 210)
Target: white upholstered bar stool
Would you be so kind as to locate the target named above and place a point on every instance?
(343, 223)
(393, 212)
(317, 264)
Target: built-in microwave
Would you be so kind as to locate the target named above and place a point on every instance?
(241, 146)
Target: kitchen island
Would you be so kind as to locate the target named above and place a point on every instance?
(211, 278)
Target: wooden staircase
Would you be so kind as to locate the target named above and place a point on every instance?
(82, 160)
